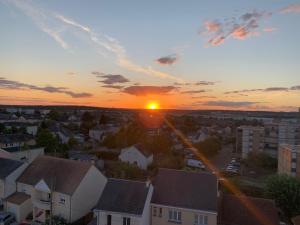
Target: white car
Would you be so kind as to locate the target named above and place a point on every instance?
(195, 163)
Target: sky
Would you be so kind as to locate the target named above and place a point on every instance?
(208, 54)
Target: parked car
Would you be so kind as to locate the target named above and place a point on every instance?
(6, 218)
(195, 163)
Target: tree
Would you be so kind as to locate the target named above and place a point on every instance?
(54, 115)
(209, 147)
(285, 190)
(87, 120)
(47, 140)
(103, 119)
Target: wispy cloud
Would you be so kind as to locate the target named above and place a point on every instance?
(113, 46)
(230, 104)
(269, 89)
(112, 86)
(42, 19)
(148, 90)
(240, 28)
(54, 24)
(198, 83)
(15, 85)
(293, 8)
(270, 29)
(194, 91)
(167, 60)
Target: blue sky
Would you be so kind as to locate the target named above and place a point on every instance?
(60, 43)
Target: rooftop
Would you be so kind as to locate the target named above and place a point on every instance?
(124, 196)
(65, 174)
(191, 190)
(232, 211)
(7, 166)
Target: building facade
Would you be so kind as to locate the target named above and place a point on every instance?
(289, 160)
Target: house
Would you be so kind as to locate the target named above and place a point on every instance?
(27, 155)
(61, 187)
(137, 155)
(100, 132)
(15, 141)
(233, 211)
(124, 202)
(184, 198)
(10, 170)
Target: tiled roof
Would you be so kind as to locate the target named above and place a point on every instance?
(7, 166)
(63, 174)
(123, 196)
(234, 212)
(191, 190)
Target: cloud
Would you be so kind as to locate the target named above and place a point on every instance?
(194, 91)
(232, 104)
(42, 19)
(113, 46)
(71, 73)
(111, 78)
(167, 60)
(198, 83)
(55, 24)
(113, 86)
(269, 29)
(293, 8)
(240, 28)
(269, 89)
(148, 90)
(15, 85)
(295, 88)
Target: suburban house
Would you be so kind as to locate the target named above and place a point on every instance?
(137, 155)
(233, 211)
(10, 170)
(99, 132)
(70, 189)
(15, 141)
(184, 198)
(124, 202)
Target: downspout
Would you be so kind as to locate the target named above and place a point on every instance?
(70, 214)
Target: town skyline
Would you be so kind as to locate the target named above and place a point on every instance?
(242, 56)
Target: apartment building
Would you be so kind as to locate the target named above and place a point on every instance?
(61, 187)
(289, 160)
(249, 139)
(289, 133)
(184, 198)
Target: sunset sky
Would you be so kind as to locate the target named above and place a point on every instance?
(242, 55)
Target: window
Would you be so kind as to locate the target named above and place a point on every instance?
(160, 212)
(126, 221)
(108, 220)
(174, 216)
(201, 219)
(154, 211)
(62, 200)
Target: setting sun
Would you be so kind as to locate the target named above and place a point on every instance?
(152, 105)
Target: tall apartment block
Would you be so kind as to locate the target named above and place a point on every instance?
(289, 160)
(249, 139)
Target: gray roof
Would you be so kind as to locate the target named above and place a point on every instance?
(14, 138)
(123, 196)
(64, 174)
(142, 149)
(191, 190)
(7, 166)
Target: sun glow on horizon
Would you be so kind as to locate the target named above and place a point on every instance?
(152, 105)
